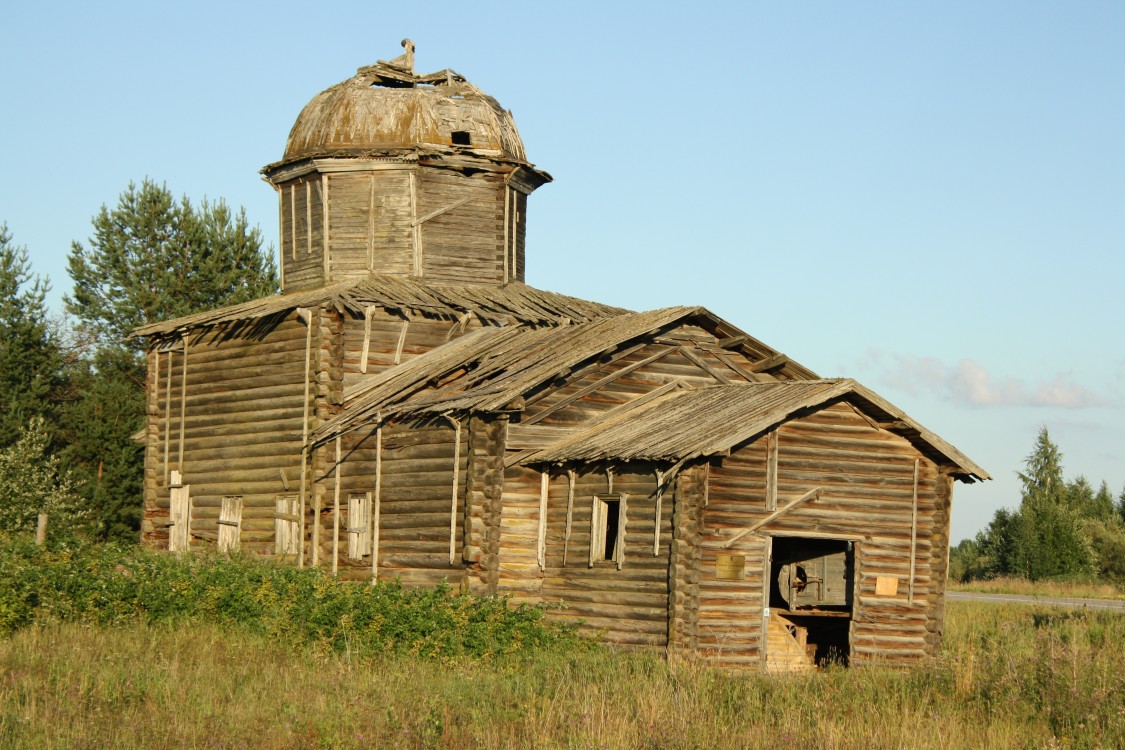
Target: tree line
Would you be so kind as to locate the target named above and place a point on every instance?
(72, 386)
(1061, 529)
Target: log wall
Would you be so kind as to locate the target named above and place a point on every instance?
(240, 410)
(628, 603)
(416, 511)
(867, 478)
(302, 232)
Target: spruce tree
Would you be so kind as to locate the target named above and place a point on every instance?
(150, 258)
(1050, 541)
(30, 360)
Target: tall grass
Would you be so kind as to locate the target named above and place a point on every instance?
(1011, 677)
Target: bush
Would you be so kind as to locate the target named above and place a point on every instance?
(110, 584)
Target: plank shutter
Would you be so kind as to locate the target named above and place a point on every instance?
(230, 523)
(179, 535)
(286, 524)
(359, 525)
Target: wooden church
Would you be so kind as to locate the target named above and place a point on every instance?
(408, 408)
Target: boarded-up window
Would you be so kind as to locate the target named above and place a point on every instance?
(179, 533)
(607, 528)
(286, 524)
(359, 525)
(230, 523)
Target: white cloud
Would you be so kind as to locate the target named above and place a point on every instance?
(967, 382)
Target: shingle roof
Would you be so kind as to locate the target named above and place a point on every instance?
(494, 305)
(489, 369)
(710, 421)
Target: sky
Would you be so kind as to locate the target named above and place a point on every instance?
(928, 198)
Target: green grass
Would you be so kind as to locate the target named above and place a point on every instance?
(1012, 676)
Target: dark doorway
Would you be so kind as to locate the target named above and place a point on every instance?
(811, 589)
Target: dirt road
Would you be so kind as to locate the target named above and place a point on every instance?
(1053, 601)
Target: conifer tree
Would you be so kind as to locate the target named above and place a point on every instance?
(30, 361)
(150, 258)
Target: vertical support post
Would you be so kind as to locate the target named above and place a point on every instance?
(293, 220)
(767, 576)
(371, 227)
(183, 409)
(308, 217)
(659, 507)
(401, 341)
(378, 500)
(304, 314)
(167, 415)
(507, 200)
(771, 470)
(41, 530)
(416, 229)
(541, 532)
(456, 478)
(609, 479)
(336, 511)
(569, 512)
(327, 224)
(622, 519)
(368, 312)
(914, 529)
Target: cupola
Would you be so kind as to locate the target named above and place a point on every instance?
(398, 173)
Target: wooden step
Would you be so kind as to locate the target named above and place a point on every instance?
(786, 647)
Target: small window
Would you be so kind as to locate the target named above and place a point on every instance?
(359, 525)
(461, 138)
(607, 529)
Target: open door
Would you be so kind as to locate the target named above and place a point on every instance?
(811, 603)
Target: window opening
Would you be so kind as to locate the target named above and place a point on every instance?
(607, 529)
(461, 138)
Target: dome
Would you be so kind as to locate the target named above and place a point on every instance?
(386, 108)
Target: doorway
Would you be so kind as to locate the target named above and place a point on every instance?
(811, 595)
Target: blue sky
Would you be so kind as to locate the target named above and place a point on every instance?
(927, 198)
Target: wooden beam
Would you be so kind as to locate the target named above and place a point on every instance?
(456, 472)
(771, 470)
(914, 529)
(336, 510)
(401, 341)
(183, 407)
(704, 365)
(416, 233)
(305, 314)
(378, 500)
(733, 342)
(599, 383)
(775, 362)
(439, 211)
(570, 478)
(659, 504)
(812, 494)
(541, 531)
(327, 226)
(368, 312)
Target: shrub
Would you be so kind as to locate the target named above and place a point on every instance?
(110, 584)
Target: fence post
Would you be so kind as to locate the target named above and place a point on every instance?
(41, 530)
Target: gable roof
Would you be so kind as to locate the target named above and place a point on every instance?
(490, 369)
(710, 421)
(515, 302)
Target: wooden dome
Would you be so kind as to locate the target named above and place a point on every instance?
(386, 108)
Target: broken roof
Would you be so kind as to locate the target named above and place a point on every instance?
(490, 369)
(710, 421)
(515, 302)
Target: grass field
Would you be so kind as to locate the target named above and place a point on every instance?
(1012, 677)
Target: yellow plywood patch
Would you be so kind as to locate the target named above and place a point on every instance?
(730, 567)
(886, 586)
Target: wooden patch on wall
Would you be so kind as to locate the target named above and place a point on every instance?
(886, 586)
(730, 567)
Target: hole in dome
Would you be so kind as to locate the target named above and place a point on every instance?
(461, 138)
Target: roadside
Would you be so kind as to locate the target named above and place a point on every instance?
(1054, 601)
